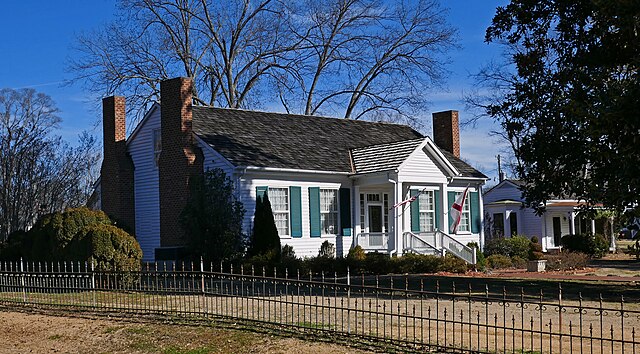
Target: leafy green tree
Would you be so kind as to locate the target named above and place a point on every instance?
(568, 103)
(265, 240)
(213, 218)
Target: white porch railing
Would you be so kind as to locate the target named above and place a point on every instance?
(456, 247)
(421, 242)
(373, 241)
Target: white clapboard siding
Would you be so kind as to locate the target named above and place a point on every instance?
(419, 167)
(505, 191)
(531, 223)
(213, 159)
(146, 189)
(304, 246)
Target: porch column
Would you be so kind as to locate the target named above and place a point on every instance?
(481, 236)
(572, 223)
(356, 214)
(613, 246)
(444, 217)
(397, 219)
(545, 239)
(593, 226)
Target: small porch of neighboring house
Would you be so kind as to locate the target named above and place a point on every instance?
(565, 218)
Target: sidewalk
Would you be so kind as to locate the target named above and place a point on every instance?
(587, 274)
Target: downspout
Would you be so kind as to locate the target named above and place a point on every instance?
(395, 223)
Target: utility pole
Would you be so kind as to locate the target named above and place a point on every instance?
(500, 173)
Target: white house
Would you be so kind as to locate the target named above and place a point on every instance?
(505, 215)
(327, 179)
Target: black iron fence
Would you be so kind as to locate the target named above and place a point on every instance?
(392, 312)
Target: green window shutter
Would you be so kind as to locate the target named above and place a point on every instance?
(415, 211)
(438, 202)
(314, 211)
(474, 199)
(345, 211)
(451, 196)
(296, 211)
(260, 191)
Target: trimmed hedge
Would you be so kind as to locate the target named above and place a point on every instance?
(359, 262)
(594, 245)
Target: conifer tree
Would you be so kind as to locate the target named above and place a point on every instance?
(265, 240)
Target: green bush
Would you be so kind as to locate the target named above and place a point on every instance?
(327, 250)
(51, 234)
(76, 235)
(499, 261)
(594, 245)
(535, 250)
(418, 263)
(355, 260)
(511, 247)
(452, 264)
(518, 262)
(107, 246)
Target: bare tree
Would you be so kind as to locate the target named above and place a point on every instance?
(38, 172)
(352, 58)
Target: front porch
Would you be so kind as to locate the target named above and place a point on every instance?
(419, 226)
(565, 218)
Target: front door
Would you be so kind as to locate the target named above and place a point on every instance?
(375, 225)
(557, 231)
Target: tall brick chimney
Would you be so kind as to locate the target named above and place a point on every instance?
(116, 174)
(180, 158)
(446, 131)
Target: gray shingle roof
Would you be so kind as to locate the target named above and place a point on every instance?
(464, 168)
(383, 157)
(261, 139)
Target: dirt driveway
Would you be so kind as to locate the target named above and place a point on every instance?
(35, 333)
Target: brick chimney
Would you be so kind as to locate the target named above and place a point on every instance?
(116, 174)
(180, 158)
(446, 131)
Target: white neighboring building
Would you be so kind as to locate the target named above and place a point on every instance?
(506, 216)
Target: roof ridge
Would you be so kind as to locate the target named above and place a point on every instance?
(304, 116)
(382, 144)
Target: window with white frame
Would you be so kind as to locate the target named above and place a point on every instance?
(329, 211)
(465, 218)
(157, 145)
(427, 208)
(279, 198)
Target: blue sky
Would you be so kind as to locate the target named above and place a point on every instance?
(39, 36)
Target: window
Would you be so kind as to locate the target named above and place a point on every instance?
(498, 225)
(279, 198)
(513, 223)
(427, 211)
(373, 197)
(157, 145)
(465, 218)
(329, 211)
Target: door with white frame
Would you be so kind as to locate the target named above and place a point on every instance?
(374, 218)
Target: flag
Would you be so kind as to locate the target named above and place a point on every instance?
(456, 210)
(405, 201)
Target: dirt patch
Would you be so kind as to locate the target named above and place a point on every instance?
(36, 333)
